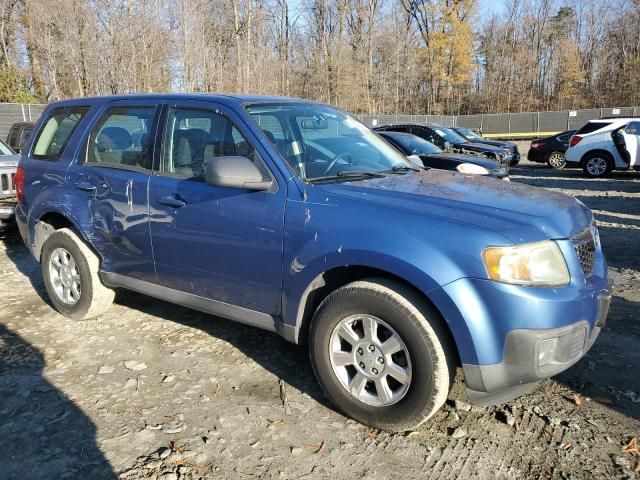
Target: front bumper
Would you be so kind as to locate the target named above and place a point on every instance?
(7, 212)
(520, 371)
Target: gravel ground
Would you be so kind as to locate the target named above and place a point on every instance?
(153, 390)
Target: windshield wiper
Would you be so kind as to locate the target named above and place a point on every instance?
(346, 175)
(403, 168)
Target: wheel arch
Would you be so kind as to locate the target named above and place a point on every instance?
(47, 222)
(598, 151)
(330, 280)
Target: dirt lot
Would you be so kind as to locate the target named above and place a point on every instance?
(152, 390)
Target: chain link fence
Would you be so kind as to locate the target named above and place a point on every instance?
(496, 125)
(509, 125)
(11, 113)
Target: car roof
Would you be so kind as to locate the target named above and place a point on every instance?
(391, 133)
(216, 97)
(615, 119)
(410, 124)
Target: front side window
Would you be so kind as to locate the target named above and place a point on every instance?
(449, 135)
(56, 132)
(4, 149)
(320, 141)
(193, 136)
(416, 145)
(122, 137)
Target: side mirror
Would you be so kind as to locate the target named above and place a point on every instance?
(416, 159)
(235, 172)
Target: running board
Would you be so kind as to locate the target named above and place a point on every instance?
(202, 304)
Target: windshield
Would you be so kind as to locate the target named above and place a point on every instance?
(450, 135)
(415, 145)
(321, 141)
(4, 149)
(470, 134)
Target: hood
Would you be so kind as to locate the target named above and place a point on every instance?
(497, 143)
(480, 147)
(521, 213)
(9, 161)
(487, 163)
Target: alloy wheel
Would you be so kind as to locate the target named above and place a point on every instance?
(370, 360)
(596, 166)
(65, 276)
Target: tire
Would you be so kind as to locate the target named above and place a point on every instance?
(91, 298)
(426, 354)
(556, 160)
(597, 164)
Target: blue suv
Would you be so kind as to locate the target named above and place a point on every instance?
(292, 216)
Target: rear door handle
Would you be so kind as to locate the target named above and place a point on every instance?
(86, 186)
(172, 201)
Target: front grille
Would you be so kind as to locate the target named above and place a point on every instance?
(7, 185)
(585, 246)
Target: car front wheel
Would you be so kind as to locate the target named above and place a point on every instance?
(381, 355)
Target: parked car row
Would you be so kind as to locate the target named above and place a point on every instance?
(449, 140)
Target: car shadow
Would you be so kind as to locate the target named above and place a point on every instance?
(43, 435)
(287, 361)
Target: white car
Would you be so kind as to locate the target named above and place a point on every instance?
(606, 144)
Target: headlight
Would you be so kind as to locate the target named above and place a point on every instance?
(472, 168)
(539, 264)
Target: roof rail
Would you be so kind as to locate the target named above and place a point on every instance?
(617, 117)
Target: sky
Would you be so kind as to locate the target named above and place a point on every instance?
(492, 6)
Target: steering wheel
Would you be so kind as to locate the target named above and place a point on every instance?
(334, 160)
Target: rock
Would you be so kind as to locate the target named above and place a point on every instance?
(131, 382)
(105, 369)
(537, 410)
(169, 476)
(168, 378)
(134, 365)
(164, 453)
(458, 433)
(460, 405)
(295, 450)
(506, 417)
(183, 469)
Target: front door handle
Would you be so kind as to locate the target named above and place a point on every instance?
(172, 201)
(86, 186)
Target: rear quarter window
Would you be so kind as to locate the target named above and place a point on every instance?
(56, 131)
(592, 127)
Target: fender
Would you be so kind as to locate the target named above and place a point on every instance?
(66, 203)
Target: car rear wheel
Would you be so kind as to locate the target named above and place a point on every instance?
(597, 165)
(381, 355)
(556, 160)
(70, 273)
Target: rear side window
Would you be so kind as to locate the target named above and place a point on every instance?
(56, 132)
(13, 137)
(592, 127)
(122, 137)
(24, 136)
(564, 137)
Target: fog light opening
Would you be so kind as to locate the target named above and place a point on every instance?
(546, 351)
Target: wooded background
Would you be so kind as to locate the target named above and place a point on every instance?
(366, 56)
